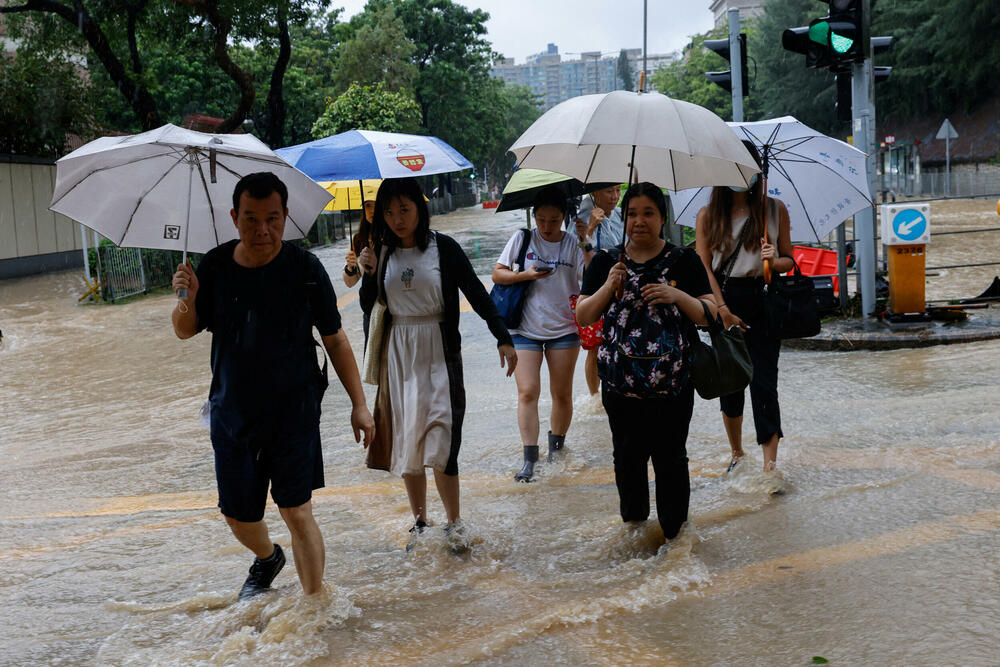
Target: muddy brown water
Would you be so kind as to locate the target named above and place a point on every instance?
(883, 548)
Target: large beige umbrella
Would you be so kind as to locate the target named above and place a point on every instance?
(627, 137)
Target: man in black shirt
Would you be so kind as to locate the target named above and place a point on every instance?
(261, 298)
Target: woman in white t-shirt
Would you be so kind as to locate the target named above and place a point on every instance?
(554, 262)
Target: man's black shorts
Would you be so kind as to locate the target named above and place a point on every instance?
(291, 463)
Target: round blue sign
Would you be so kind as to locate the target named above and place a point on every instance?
(909, 224)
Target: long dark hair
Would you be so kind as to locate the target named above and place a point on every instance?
(650, 190)
(363, 236)
(390, 189)
(719, 234)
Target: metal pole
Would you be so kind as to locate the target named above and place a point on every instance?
(645, 14)
(864, 221)
(947, 164)
(842, 264)
(86, 257)
(736, 64)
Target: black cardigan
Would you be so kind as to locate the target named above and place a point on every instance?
(456, 273)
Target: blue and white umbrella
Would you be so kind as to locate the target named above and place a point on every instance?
(360, 154)
(821, 180)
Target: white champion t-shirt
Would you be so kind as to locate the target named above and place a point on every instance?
(547, 313)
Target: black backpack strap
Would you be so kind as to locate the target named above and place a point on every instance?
(523, 252)
(726, 267)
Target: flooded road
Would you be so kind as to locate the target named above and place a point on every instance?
(883, 548)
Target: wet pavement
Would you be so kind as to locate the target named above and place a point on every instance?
(881, 550)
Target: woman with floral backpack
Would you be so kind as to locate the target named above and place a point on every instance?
(651, 295)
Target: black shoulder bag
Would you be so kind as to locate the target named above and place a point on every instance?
(790, 306)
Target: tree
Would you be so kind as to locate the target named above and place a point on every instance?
(368, 108)
(685, 79)
(625, 71)
(521, 108)
(377, 52)
(780, 82)
(120, 19)
(44, 99)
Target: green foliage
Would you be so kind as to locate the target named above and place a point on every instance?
(44, 95)
(945, 56)
(783, 85)
(378, 51)
(685, 79)
(368, 108)
(521, 107)
(625, 71)
(459, 100)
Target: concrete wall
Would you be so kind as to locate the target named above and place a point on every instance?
(33, 239)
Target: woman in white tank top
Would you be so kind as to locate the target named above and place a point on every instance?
(730, 241)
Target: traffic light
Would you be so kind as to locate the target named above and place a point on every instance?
(725, 79)
(797, 40)
(834, 40)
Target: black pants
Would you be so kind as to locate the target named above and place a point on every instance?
(745, 298)
(657, 428)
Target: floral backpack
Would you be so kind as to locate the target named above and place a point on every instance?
(646, 348)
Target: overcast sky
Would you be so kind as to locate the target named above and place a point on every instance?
(519, 28)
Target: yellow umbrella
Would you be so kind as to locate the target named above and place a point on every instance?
(347, 194)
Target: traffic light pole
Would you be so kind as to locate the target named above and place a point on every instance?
(863, 112)
(736, 57)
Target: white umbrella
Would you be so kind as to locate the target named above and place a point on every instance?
(821, 180)
(626, 137)
(172, 188)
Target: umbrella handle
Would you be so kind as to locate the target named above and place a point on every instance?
(767, 262)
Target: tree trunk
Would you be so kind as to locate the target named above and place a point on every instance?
(222, 25)
(139, 99)
(276, 112)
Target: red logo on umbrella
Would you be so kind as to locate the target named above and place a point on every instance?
(410, 159)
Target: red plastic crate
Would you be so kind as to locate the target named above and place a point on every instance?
(817, 262)
(490, 204)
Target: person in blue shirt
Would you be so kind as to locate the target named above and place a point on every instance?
(599, 223)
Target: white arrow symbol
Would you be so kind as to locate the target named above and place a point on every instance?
(906, 227)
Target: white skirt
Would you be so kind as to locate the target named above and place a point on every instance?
(419, 394)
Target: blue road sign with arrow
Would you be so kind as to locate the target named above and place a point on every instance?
(906, 224)
(909, 224)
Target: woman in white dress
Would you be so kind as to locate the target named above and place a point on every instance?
(419, 274)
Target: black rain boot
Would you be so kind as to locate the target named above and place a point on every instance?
(528, 470)
(556, 443)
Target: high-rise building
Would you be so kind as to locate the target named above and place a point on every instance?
(554, 79)
(748, 9)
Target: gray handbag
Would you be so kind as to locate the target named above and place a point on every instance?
(724, 367)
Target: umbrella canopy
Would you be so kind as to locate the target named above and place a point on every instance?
(142, 190)
(347, 195)
(522, 187)
(624, 137)
(359, 154)
(821, 180)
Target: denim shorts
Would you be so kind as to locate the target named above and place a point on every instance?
(562, 343)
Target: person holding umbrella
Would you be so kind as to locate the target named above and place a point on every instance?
(360, 243)
(734, 244)
(651, 295)
(261, 298)
(417, 275)
(555, 263)
(599, 225)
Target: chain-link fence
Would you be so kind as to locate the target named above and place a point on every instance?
(935, 184)
(125, 272)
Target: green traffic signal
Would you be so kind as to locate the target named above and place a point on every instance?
(820, 32)
(840, 43)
